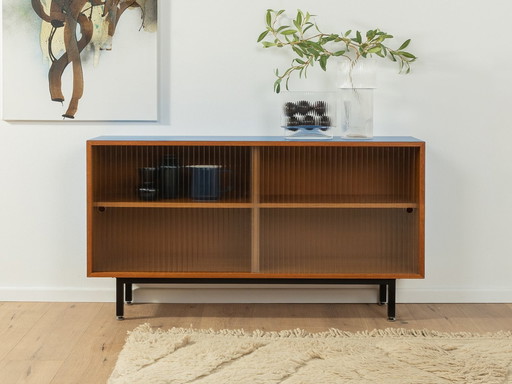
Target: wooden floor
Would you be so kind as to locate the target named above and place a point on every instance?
(72, 343)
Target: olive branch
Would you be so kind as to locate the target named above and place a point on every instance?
(311, 45)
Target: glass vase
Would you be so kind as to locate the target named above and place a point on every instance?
(356, 113)
(356, 81)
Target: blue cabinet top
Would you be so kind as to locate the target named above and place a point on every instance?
(376, 139)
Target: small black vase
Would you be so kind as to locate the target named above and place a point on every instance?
(147, 189)
(170, 172)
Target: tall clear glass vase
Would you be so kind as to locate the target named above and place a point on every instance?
(356, 112)
(356, 84)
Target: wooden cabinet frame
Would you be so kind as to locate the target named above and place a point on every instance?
(336, 211)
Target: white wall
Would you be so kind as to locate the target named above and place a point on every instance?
(215, 80)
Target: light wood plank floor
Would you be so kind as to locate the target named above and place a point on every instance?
(75, 343)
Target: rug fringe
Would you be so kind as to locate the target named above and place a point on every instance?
(332, 332)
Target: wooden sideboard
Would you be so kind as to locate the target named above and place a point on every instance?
(323, 212)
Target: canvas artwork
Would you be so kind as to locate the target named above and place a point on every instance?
(80, 60)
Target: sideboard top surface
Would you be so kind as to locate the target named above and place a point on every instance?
(251, 140)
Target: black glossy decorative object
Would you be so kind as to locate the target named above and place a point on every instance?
(325, 122)
(170, 172)
(320, 107)
(303, 107)
(147, 189)
(309, 122)
(308, 115)
(290, 109)
(293, 123)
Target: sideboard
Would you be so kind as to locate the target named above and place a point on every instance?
(283, 212)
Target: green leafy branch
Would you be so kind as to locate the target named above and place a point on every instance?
(313, 46)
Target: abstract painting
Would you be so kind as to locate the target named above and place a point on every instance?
(80, 59)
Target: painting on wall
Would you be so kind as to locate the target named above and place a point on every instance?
(81, 60)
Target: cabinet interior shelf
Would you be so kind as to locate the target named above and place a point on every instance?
(228, 204)
(182, 203)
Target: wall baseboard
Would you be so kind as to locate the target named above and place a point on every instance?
(245, 294)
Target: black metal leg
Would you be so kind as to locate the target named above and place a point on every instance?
(124, 288)
(128, 293)
(391, 300)
(119, 299)
(383, 294)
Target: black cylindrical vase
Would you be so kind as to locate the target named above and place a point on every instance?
(170, 172)
(148, 190)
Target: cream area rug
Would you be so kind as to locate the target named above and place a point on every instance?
(180, 356)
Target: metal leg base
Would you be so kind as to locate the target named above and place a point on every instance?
(124, 293)
(383, 294)
(392, 300)
(119, 299)
(387, 288)
(128, 292)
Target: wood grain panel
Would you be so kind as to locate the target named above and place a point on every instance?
(114, 169)
(181, 240)
(344, 241)
(338, 174)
